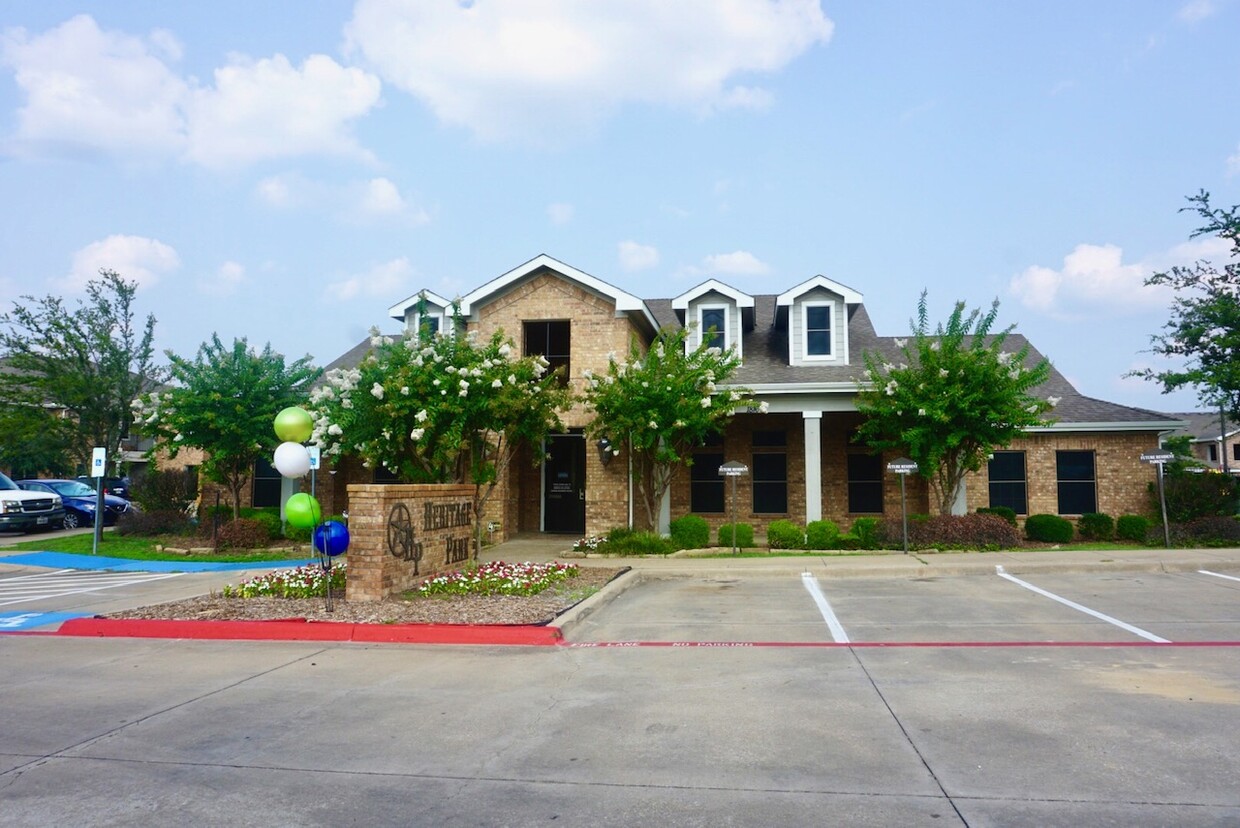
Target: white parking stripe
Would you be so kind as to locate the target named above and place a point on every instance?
(1217, 574)
(1149, 636)
(25, 588)
(824, 606)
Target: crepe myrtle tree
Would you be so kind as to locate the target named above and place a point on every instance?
(661, 403)
(223, 401)
(956, 396)
(434, 408)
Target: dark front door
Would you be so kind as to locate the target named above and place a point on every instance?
(564, 484)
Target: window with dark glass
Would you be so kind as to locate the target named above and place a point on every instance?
(706, 489)
(1235, 451)
(714, 327)
(770, 483)
(1212, 452)
(1008, 486)
(865, 484)
(1074, 471)
(428, 325)
(550, 339)
(818, 330)
(383, 475)
(266, 484)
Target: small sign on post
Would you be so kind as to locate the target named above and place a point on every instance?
(733, 469)
(1159, 457)
(98, 467)
(903, 467)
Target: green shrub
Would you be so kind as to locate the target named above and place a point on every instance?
(242, 533)
(690, 532)
(1096, 526)
(976, 531)
(784, 534)
(160, 490)
(149, 524)
(630, 542)
(1004, 512)
(744, 535)
(821, 534)
(1194, 494)
(1133, 528)
(865, 530)
(269, 519)
(1048, 529)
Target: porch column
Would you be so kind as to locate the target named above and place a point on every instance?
(813, 465)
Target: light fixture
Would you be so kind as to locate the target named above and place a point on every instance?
(604, 450)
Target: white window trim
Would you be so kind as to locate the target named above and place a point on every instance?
(806, 356)
(728, 341)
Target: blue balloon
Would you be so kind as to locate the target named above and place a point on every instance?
(331, 537)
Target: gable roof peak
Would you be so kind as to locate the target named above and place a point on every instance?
(851, 296)
(742, 299)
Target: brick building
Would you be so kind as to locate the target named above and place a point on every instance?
(802, 352)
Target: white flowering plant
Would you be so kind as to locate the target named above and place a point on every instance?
(958, 394)
(434, 408)
(660, 403)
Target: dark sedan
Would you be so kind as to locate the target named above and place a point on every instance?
(79, 500)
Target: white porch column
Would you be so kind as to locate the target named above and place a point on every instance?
(813, 465)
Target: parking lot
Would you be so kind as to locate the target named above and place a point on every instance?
(717, 699)
(1060, 608)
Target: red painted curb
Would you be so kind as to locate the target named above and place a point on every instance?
(301, 630)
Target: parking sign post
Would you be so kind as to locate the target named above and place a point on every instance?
(98, 465)
(903, 467)
(1158, 458)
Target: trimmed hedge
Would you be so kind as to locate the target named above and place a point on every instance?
(1213, 530)
(821, 534)
(865, 530)
(1096, 526)
(690, 532)
(1134, 528)
(242, 533)
(1004, 512)
(744, 535)
(625, 541)
(784, 534)
(161, 522)
(1048, 529)
(975, 531)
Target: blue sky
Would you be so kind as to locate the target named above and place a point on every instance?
(287, 170)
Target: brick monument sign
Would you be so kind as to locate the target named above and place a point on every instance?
(403, 532)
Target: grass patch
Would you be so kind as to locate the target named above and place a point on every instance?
(141, 549)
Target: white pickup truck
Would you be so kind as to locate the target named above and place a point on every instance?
(21, 511)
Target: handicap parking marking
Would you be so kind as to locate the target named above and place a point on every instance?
(824, 606)
(1149, 636)
(15, 621)
(25, 588)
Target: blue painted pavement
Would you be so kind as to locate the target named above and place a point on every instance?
(13, 621)
(64, 560)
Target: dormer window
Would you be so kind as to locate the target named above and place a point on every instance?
(428, 324)
(713, 323)
(817, 333)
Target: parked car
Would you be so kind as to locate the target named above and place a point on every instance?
(21, 511)
(118, 486)
(79, 501)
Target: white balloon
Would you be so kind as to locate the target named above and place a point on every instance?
(292, 459)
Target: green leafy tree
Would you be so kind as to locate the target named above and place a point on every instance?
(440, 409)
(956, 397)
(88, 363)
(224, 401)
(33, 440)
(660, 404)
(1203, 331)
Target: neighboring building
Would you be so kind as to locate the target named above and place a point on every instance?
(802, 352)
(1215, 441)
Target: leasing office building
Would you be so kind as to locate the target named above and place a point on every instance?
(802, 353)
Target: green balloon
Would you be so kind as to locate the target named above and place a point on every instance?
(293, 425)
(302, 511)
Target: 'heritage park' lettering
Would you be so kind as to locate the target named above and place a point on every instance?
(457, 551)
(446, 516)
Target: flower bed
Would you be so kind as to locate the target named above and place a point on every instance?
(499, 578)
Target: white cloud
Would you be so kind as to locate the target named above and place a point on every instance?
(87, 89)
(382, 197)
(386, 279)
(737, 263)
(512, 67)
(1196, 10)
(135, 258)
(227, 278)
(560, 213)
(91, 90)
(634, 256)
(1094, 281)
